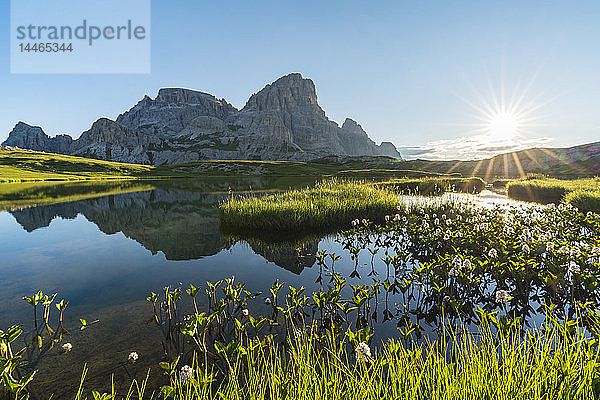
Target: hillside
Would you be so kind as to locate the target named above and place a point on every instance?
(570, 162)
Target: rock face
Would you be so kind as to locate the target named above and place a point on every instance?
(33, 138)
(283, 121)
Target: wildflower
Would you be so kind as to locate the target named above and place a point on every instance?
(493, 253)
(457, 262)
(574, 269)
(436, 221)
(133, 356)
(501, 296)
(67, 347)
(355, 222)
(186, 373)
(399, 208)
(387, 218)
(403, 219)
(363, 352)
(446, 299)
(425, 225)
(438, 232)
(268, 301)
(550, 246)
(397, 217)
(466, 264)
(447, 236)
(575, 252)
(551, 206)
(563, 250)
(365, 221)
(448, 222)
(596, 251)
(453, 272)
(526, 248)
(245, 312)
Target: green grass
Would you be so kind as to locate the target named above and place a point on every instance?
(549, 190)
(435, 186)
(584, 200)
(24, 166)
(329, 206)
(29, 194)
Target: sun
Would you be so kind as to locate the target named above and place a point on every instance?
(504, 125)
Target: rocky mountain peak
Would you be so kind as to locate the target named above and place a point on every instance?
(351, 125)
(290, 92)
(26, 136)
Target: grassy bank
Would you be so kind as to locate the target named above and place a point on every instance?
(549, 190)
(29, 194)
(23, 166)
(584, 200)
(18, 165)
(434, 186)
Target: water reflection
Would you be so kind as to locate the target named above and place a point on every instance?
(106, 253)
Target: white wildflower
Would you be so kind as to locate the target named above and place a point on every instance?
(186, 373)
(596, 251)
(363, 352)
(387, 218)
(457, 262)
(453, 272)
(574, 269)
(133, 357)
(550, 246)
(575, 252)
(466, 264)
(268, 301)
(563, 250)
(67, 347)
(501, 296)
(493, 253)
(245, 312)
(526, 248)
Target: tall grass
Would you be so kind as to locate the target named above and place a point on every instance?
(548, 190)
(543, 364)
(584, 200)
(328, 205)
(435, 186)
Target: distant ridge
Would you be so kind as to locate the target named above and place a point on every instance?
(576, 161)
(283, 121)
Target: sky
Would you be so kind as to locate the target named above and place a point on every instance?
(428, 76)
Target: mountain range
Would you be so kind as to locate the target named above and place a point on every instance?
(283, 121)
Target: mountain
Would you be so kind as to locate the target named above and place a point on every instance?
(283, 121)
(576, 161)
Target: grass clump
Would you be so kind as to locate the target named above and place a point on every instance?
(435, 186)
(328, 205)
(584, 200)
(549, 190)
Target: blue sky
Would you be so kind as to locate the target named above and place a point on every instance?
(415, 73)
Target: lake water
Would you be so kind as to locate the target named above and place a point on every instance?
(105, 254)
